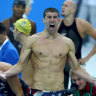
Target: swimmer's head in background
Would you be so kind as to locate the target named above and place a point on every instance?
(19, 2)
(23, 25)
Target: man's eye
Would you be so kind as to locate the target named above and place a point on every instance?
(55, 16)
(74, 81)
(48, 16)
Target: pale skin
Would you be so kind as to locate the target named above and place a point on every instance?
(68, 11)
(48, 59)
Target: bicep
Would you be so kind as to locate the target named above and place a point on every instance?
(24, 58)
(72, 60)
(90, 30)
(25, 52)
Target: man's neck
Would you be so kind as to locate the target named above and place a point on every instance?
(14, 19)
(68, 20)
(22, 39)
(50, 35)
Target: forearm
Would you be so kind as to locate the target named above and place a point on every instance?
(91, 53)
(15, 70)
(84, 75)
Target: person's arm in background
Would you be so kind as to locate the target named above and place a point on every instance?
(85, 59)
(85, 28)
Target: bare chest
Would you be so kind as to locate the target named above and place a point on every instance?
(50, 48)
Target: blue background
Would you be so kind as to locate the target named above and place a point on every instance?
(36, 14)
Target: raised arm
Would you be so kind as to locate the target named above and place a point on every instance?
(75, 66)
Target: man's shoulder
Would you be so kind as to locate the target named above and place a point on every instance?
(32, 22)
(67, 40)
(81, 21)
(6, 21)
(64, 38)
(35, 36)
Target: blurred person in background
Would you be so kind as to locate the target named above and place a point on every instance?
(84, 88)
(76, 29)
(22, 29)
(87, 11)
(19, 7)
(8, 54)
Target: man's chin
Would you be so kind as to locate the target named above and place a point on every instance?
(52, 32)
(19, 16)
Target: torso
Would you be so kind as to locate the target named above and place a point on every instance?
(48, 59)
(72, 33)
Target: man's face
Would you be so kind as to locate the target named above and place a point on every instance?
(16, 33)
(66, 8)
(18, 11)
(51, 21)
(80, 82)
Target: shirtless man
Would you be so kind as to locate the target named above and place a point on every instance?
(76, 29)
(19, 7)
(48, 59)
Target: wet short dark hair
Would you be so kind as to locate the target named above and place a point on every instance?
(19, 2)
(50, 10)
(2, 28)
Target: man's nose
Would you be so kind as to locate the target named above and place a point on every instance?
(52, 19)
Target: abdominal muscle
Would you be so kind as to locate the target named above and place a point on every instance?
(48, 73)
(48, 82)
